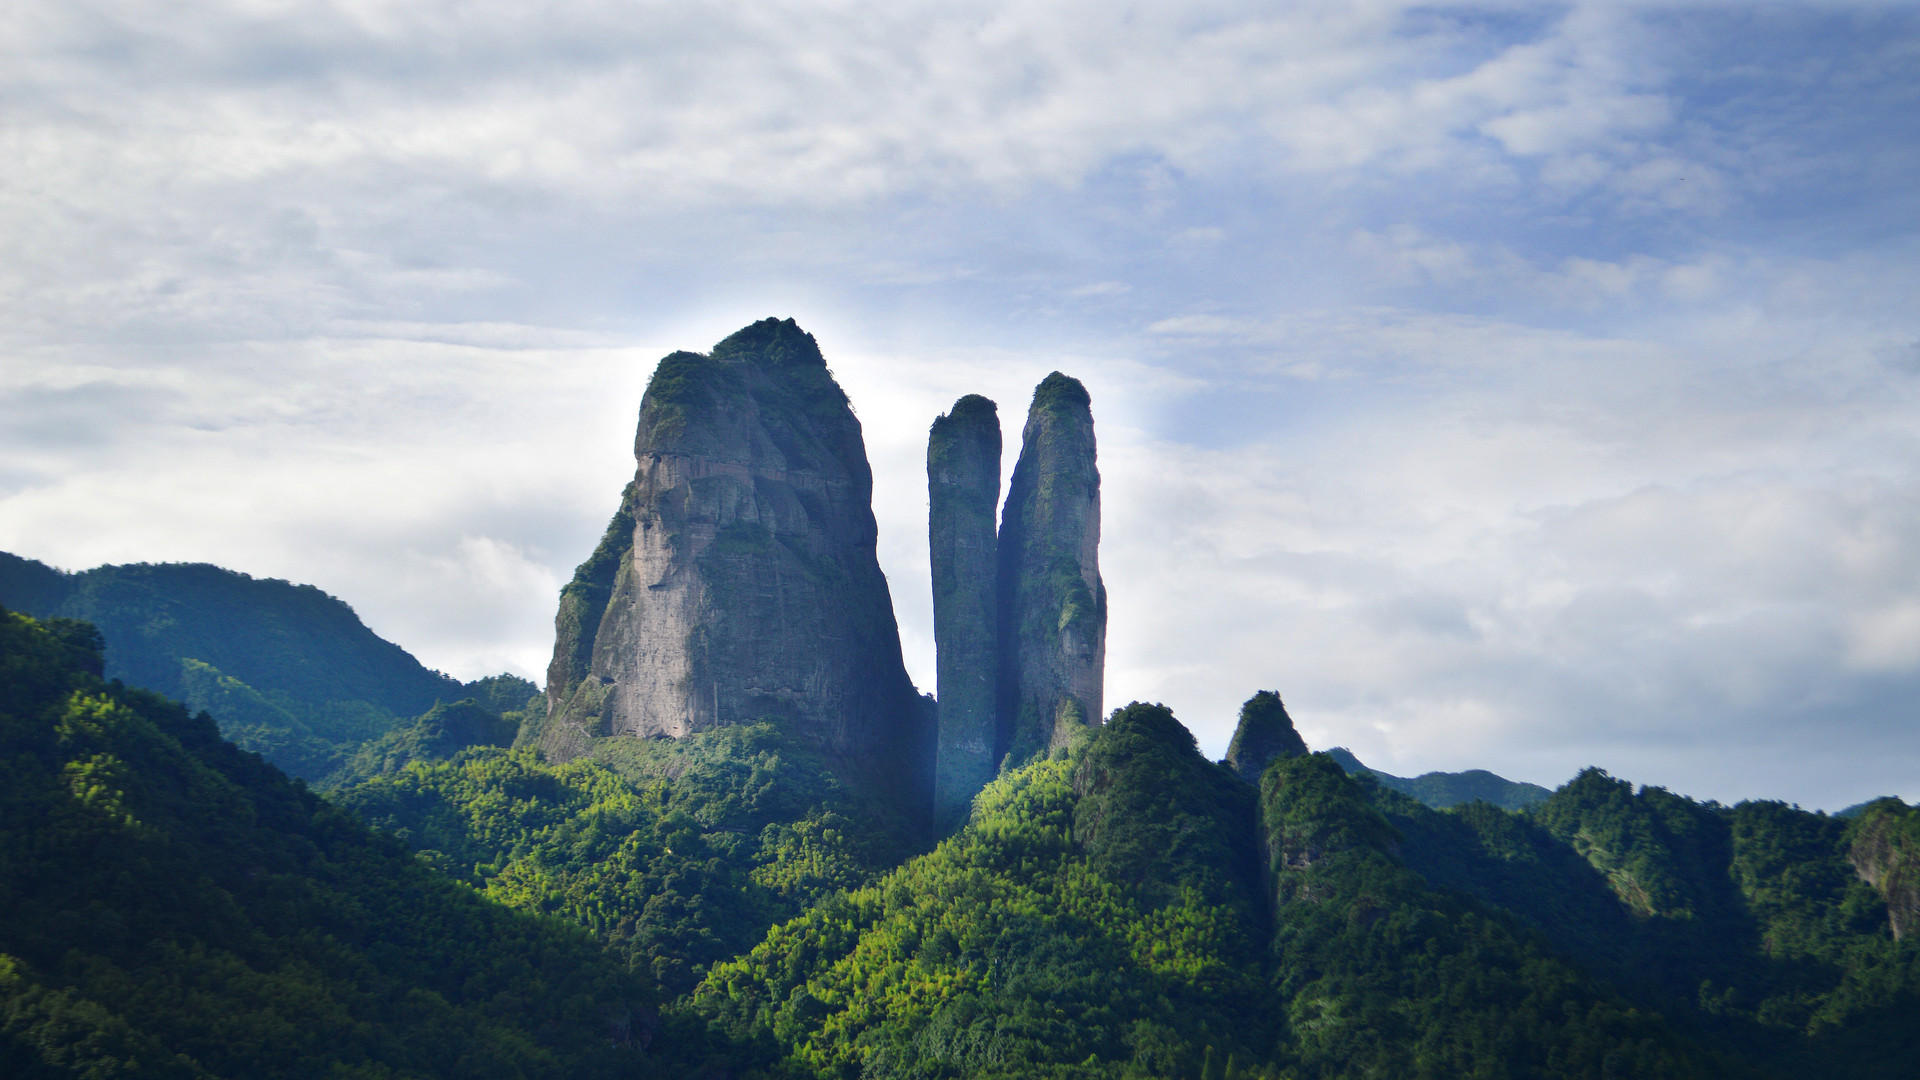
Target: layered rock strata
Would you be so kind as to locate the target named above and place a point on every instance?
(1265, 732)
(1053, 605)
(963, 491)
(738, 582)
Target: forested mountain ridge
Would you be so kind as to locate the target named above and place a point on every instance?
(285, 669)
(1103, 914)
(1126, 908)
(1754, 925)
(171, 906)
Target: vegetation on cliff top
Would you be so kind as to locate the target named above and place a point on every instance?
(1264, 732)
(1060, 393)
(771, 368)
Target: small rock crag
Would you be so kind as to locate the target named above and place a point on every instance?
(1265, 732)
(738, 581)
(963, 491)
(1053, 605)
(1885, 852)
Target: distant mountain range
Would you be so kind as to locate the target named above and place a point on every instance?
(285, 669)
(1443, 789)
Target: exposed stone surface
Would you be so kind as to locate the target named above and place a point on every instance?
(1886, 854)
(963, 491)
(738, 582)
(583, 602)
(1265, 732)
(1053, 605)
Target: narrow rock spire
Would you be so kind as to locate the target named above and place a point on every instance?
(1053, 605)
(963, 490)
(1265, 732)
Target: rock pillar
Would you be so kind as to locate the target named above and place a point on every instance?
(738, 582)
(1053, 606)
(963, 491)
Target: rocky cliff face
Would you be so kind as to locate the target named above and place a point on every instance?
(1885, 852)
(1053, 606)
(1265, 732)
(963, 490)
(738, 581)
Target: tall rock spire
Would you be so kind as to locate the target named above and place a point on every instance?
(738, 581)
(1053, 606)
(963, 490)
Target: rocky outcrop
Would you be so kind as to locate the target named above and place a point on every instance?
(1053, 606)
(1265, 732)
(963, 490)
(1885, 852)
(1311, 812)
(738, 581)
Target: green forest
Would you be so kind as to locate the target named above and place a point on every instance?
(441, 902)
(174, 906)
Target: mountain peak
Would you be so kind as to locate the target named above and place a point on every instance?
(1265, 732)
(739, 582)
(774, 342)
(963, 489)
(1052, 602)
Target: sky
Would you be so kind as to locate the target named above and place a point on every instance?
(1510, 386)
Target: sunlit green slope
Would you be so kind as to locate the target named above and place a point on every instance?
(1134, 910)
(679, 853)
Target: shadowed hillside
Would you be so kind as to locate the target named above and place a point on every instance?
(171, 906)
(285, 669)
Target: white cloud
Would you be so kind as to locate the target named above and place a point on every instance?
(1508, 386)
(1556, 563)
(436, 487)
(1886, 639)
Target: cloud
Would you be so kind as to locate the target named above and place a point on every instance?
(436, 487)
(1565, 552)
(1508, 385)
